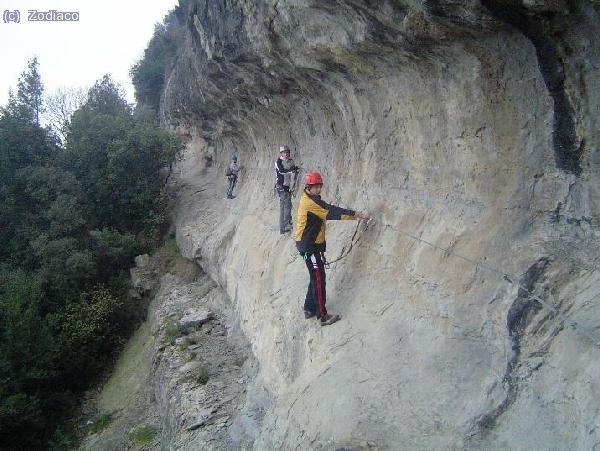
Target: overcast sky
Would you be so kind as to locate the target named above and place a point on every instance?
(109, 38)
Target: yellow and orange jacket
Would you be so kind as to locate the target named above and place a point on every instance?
(310, 222)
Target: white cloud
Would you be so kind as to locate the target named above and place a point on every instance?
(110, 37)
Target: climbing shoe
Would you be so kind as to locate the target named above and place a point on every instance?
(308, 314)
(330, 319)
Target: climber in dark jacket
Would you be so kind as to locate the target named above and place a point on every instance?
(284, 168)
(232, 174)
(309, 235)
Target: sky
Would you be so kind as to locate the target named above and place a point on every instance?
(109, 37)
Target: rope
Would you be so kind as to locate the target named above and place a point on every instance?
(356, 237)
(295, 183)
(293, 257)
(584, 330)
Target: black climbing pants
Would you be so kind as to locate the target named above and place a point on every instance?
(232, 180)
(285, 210)
(315, 295)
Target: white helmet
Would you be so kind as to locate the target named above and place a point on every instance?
(284, 148)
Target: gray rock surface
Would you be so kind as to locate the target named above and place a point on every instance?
(196, 389)
(144, 276)
(471, 127)
(194, 317)
(190, 395)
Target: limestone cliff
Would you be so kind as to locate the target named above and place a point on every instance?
(472, 126)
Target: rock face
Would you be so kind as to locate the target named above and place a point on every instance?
(470, 127)
(183, 376)
(194, 317)
(195, 377)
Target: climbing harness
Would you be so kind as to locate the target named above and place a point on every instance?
(346, 249)
(294, 256)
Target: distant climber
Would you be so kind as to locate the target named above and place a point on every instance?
(232, 174)
(313, 213)
(284, 168)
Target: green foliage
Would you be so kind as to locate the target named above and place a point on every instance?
(172, 256)
(87, 328)
(71, 221)
(156, 221)
(62, 441)
(106, 98)
(22, 144)
(185, 342)
(27, 358)
(27, 104)
(121, 162)
(65, 265)
(143, 435)
(100, 423)
(172, 331)
(54, 200)
(113, 249)
(202, 376)
(172, 248)
(148, 74)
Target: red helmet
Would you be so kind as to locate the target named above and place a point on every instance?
(313, 178)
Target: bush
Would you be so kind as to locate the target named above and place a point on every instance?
(89, 332)
(148, 74)
(185, 342)
(113, 249)
(172, 331)
(100, 423)
(202, 376)
(61, 441)
(143, 435)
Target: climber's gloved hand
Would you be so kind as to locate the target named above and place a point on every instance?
(362, 215)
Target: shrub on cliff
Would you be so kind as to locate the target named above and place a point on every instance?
(148, 74)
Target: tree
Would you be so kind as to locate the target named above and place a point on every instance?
(107, 97)
(41, 204)
(89, 331)
(27, 104)
(148, 74)
(71, 221)
(119, 160)
(28, 361)
(23, 144)
(61, 105)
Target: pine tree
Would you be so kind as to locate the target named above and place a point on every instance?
(27, 104)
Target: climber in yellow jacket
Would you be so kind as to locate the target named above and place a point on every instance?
(309, 235)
